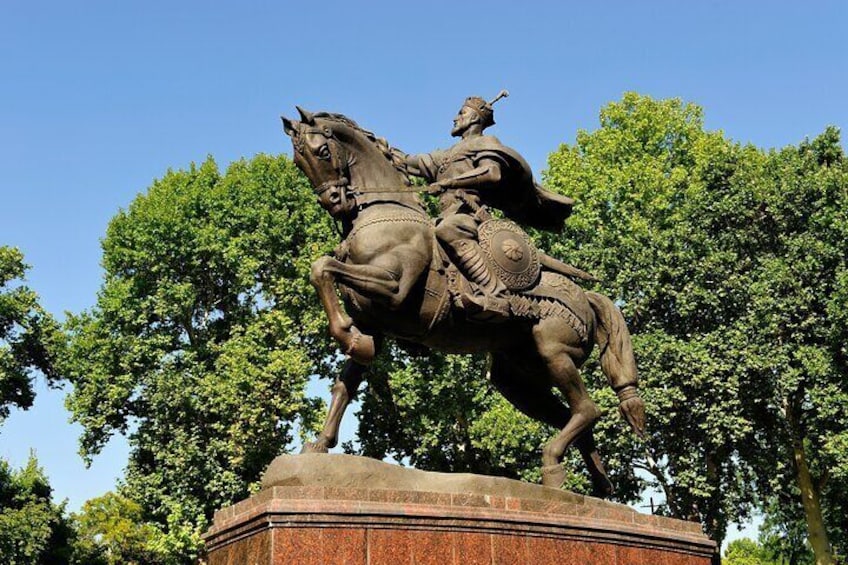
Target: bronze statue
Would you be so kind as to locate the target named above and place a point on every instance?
(476, 171)
(465, 283)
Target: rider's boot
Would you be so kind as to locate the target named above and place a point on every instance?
(491, 303)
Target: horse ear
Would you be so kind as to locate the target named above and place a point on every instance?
(289, 126)
(307, 117)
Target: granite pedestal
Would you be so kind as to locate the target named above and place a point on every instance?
(346, 510)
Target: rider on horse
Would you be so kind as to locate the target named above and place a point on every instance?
(476, 172)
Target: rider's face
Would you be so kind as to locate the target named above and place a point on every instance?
(463, 121)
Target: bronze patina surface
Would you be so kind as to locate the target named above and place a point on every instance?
(463, 282)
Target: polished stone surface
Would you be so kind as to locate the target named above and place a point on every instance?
(355, 524)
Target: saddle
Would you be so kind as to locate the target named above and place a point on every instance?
(533, 292)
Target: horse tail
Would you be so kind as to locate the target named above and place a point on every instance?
(613, 338)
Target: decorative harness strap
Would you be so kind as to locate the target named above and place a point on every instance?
(400, 218)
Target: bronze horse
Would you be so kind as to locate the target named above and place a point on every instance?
(394, 281)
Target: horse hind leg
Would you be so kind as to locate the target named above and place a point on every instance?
(558, 345)
(535, 398)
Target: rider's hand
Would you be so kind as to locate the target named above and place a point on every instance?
(436, 188)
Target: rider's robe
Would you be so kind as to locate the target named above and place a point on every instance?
(517, 194)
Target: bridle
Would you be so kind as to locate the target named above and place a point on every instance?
(353, 199)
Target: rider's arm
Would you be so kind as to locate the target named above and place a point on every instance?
(423, 165)
(413, 164)
(488, 172)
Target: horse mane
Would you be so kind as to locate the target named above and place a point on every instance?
(395, 156)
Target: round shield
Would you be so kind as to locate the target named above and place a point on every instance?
(510, 252)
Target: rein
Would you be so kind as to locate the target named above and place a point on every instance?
(383, 190)
(354, 191)
(343, 182)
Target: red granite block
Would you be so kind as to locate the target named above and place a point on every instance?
(345, 546)
(410, 497)
(431, 548)
(498, 502)
(533, 505)
(220, 556)
(601, 554)
(674, 558)
(472, 548)
(239, 553)
(300, 546)
(546, 551)
(260, 548)
(388, 547)
(623, 515)
(509, 550)
(577, 553)
(465, 500)
(341, 493)
(628, 555)
(380, 495)
(655, 557)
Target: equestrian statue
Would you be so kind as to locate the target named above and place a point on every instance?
(464, 282)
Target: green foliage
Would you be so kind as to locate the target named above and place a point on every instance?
(32, 528)
(110, 530)
(203, 338)
(29, 337)
(453, 419)
(747, 552)
(798, 306)
(729, 264)
(770, 551)
(784, 532)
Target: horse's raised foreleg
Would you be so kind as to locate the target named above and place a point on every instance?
(344, 389)
(387, 278)
(535, 398)
(325, 271)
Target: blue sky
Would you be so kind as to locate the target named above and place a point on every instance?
(100, 98)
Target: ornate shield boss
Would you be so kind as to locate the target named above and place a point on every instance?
(510, 252)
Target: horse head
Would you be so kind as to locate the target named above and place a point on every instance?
(323, 159)
(342, 160)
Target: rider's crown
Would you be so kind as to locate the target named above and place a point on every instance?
(484, 109)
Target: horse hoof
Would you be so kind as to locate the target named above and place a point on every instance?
(553, 476)
(362, 348)
(316, 446)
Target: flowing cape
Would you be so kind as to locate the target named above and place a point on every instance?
(518, 195)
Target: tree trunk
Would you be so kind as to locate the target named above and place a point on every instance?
(809, 494)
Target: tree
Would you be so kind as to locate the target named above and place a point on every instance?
(110, 530)
(729, 263)
(32, 528)
(784, 532)
(29, 337)
(797, 306)
(747, 552)
(203, 338)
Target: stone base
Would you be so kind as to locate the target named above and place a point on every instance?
(435, 518)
